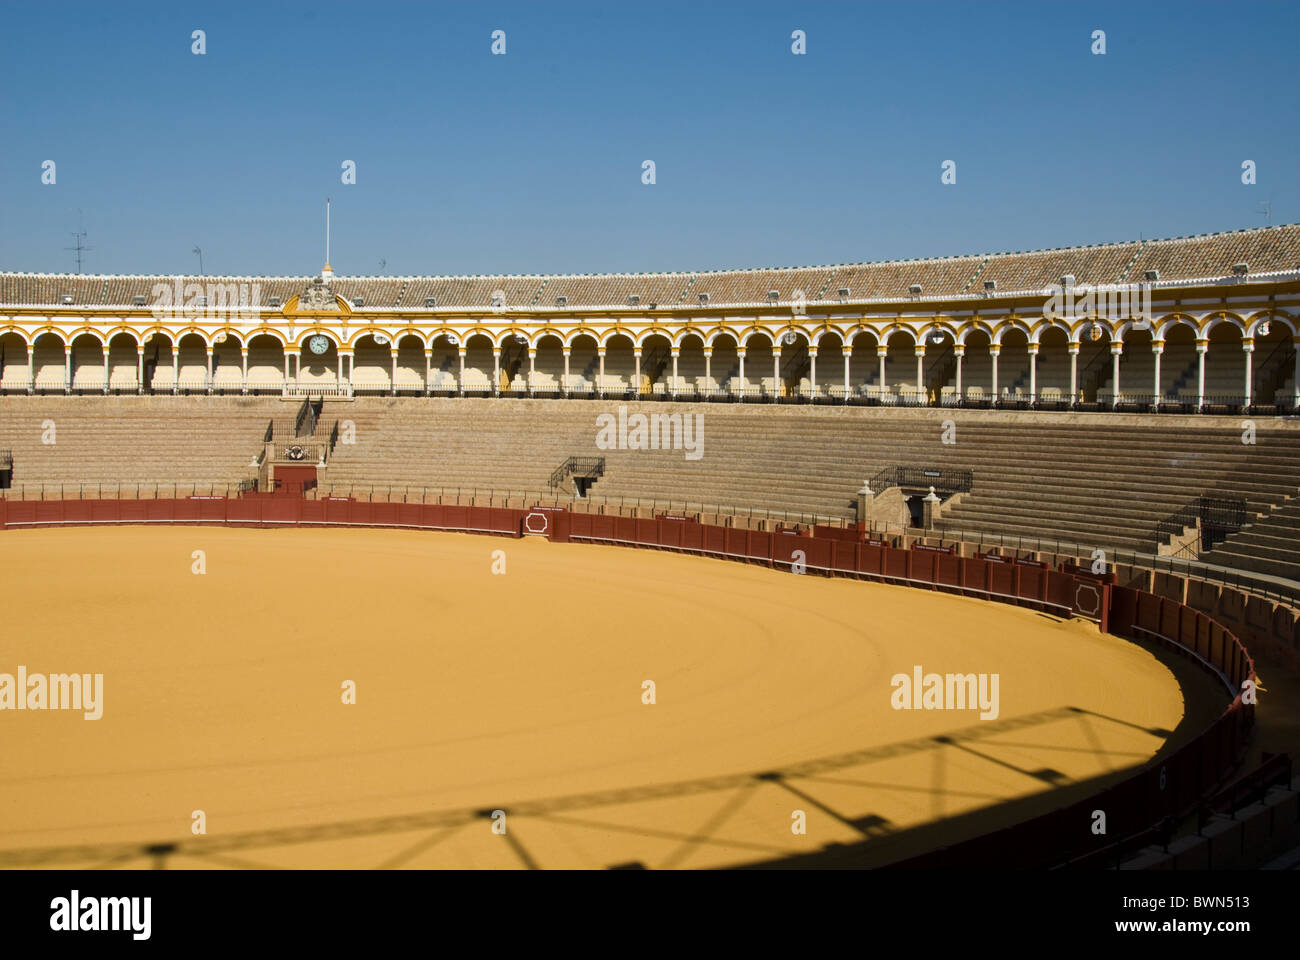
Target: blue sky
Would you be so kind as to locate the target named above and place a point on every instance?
(531, 162)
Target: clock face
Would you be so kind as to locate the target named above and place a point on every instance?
(318, 344)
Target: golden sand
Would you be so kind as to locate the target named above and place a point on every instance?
(520, 692)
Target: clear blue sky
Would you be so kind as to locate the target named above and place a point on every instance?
(531, 162)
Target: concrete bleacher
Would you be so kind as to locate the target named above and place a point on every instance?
(1269, 545)
(133, 440)
(1093, 479)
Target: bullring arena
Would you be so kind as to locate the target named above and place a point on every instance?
(567, 647)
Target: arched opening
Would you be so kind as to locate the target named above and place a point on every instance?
(159, 363)
(690, 368)
(620, 366)
(315, 373)
(444, 365)
(759, 380)
(410, 366)
(50, 361)
(88, 365)
(123, 364)
(372, 365)
(900, 383)
(722, 366)
(512, 365)
(584, 365)
(265, 364)
(1094, 364)
(1179, 368)
(1137, 369)
(825, 370)
(1274, 366)
(938, 366)
(192, 363)
(548, 366)
(479, 364)
(1013, 369)
(227, 364)
(977, 369)
(1225, 367)
(864, 365)
(656, 365)
(15, 373)
(1052, 369)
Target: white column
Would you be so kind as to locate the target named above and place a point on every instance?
(994, 350)
(676, 353)
(243, 358)
(882, 352)
(1074, 373)
(176, 368)
(1248, 345)
(848, 355)
(532, 366)
(600, 352)
(1033, 373)
(920, 372)
(428, 370)
(776, 367)
(67, 369)
(496, 369)
(740, 353)
(345, 377)
(460, 376)
(812, 370)
(31, 368)
(636, 372)
(1295, 378)
(392, 377)
(1116, 349)
(209, 368)
(708, 365)
(108, 365)
(139, 368)
(960, 351)
(1158, 349)
(565, 383)
(1201, 347)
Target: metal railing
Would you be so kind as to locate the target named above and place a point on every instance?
(578, 466)
(948, 481)
(1214, 517)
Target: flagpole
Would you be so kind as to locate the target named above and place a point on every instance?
(327, 229)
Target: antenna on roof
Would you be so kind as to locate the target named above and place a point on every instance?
(1267, 211)
(199, 252)
(79, 236)
(327, 229)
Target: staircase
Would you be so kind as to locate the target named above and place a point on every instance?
(1268, 545)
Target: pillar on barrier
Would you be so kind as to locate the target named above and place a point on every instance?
(932, 508)
(866, 497)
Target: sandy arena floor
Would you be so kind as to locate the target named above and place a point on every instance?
(520, 692)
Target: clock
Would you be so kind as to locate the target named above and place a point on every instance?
(380, 339)
(318, 344)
